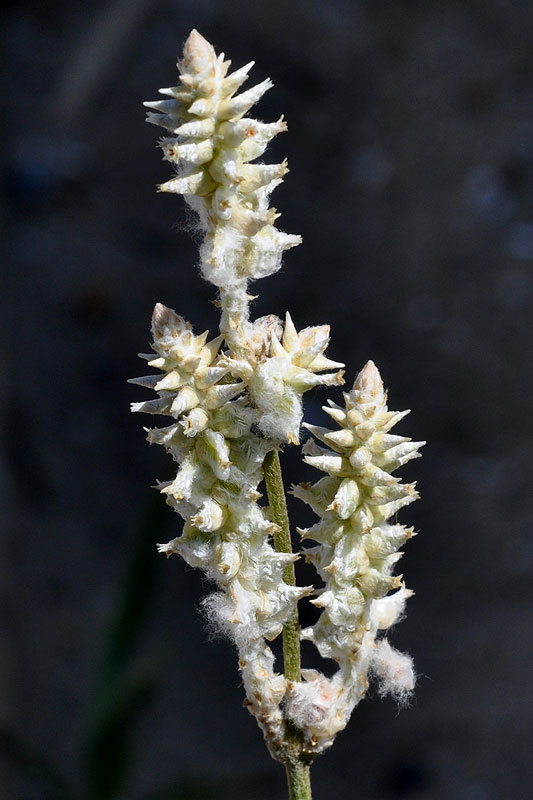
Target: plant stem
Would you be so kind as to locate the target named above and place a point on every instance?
(297, 770)
(299, 780)
(282, 543)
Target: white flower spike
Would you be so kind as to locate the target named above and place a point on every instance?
(357, 552)
(233, 401)
(212, 145)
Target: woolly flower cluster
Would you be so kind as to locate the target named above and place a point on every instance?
(235, 398)
(355, 555)
(212, 146)
(226, 532)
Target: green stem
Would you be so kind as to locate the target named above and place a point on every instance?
(299, 781)
(282, 543)
(297, 770)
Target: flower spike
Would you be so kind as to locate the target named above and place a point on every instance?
(231, 402)
(356, 554)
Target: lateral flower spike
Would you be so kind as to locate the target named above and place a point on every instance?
(356, 554)
(226, 533)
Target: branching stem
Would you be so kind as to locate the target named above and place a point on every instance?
(297, 769)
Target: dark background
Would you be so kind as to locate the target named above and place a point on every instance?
(411, 153)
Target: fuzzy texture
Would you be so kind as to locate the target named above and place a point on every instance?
(355, 556)
(279, 381)
(233, 399)
(212, 146)
(226, 533)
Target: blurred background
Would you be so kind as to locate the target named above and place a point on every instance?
(411, 152)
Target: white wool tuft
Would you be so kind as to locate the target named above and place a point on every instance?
(394, 671)
(310, 703)
(216, 608)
